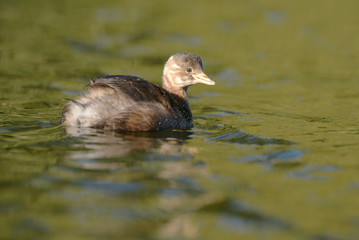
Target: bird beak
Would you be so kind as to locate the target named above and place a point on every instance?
(203, 78)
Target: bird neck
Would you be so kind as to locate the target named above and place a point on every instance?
(180, 94)
(167, 84)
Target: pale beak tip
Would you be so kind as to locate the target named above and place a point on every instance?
(210, 83)
(207, 82)
(204, 79)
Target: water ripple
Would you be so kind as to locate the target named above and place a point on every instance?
(241, 216)
(272, 156)
(306, 173)
(110, 187)
(241, 137)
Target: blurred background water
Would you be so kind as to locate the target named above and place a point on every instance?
(274, 149)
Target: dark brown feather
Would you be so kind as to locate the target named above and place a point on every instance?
(149, 106)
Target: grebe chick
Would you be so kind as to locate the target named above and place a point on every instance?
(128, 103)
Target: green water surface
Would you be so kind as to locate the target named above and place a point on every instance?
(274, 149)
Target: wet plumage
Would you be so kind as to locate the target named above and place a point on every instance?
(129, 103)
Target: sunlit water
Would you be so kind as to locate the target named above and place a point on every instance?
(274, 149)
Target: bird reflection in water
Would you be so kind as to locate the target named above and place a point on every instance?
(150, 163)
(97, 144)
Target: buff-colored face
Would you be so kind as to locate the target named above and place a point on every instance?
(185, 69)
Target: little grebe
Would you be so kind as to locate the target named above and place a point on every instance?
(129, 103)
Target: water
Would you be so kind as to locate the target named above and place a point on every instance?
(274, 149)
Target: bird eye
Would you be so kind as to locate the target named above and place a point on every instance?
(189, 70)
